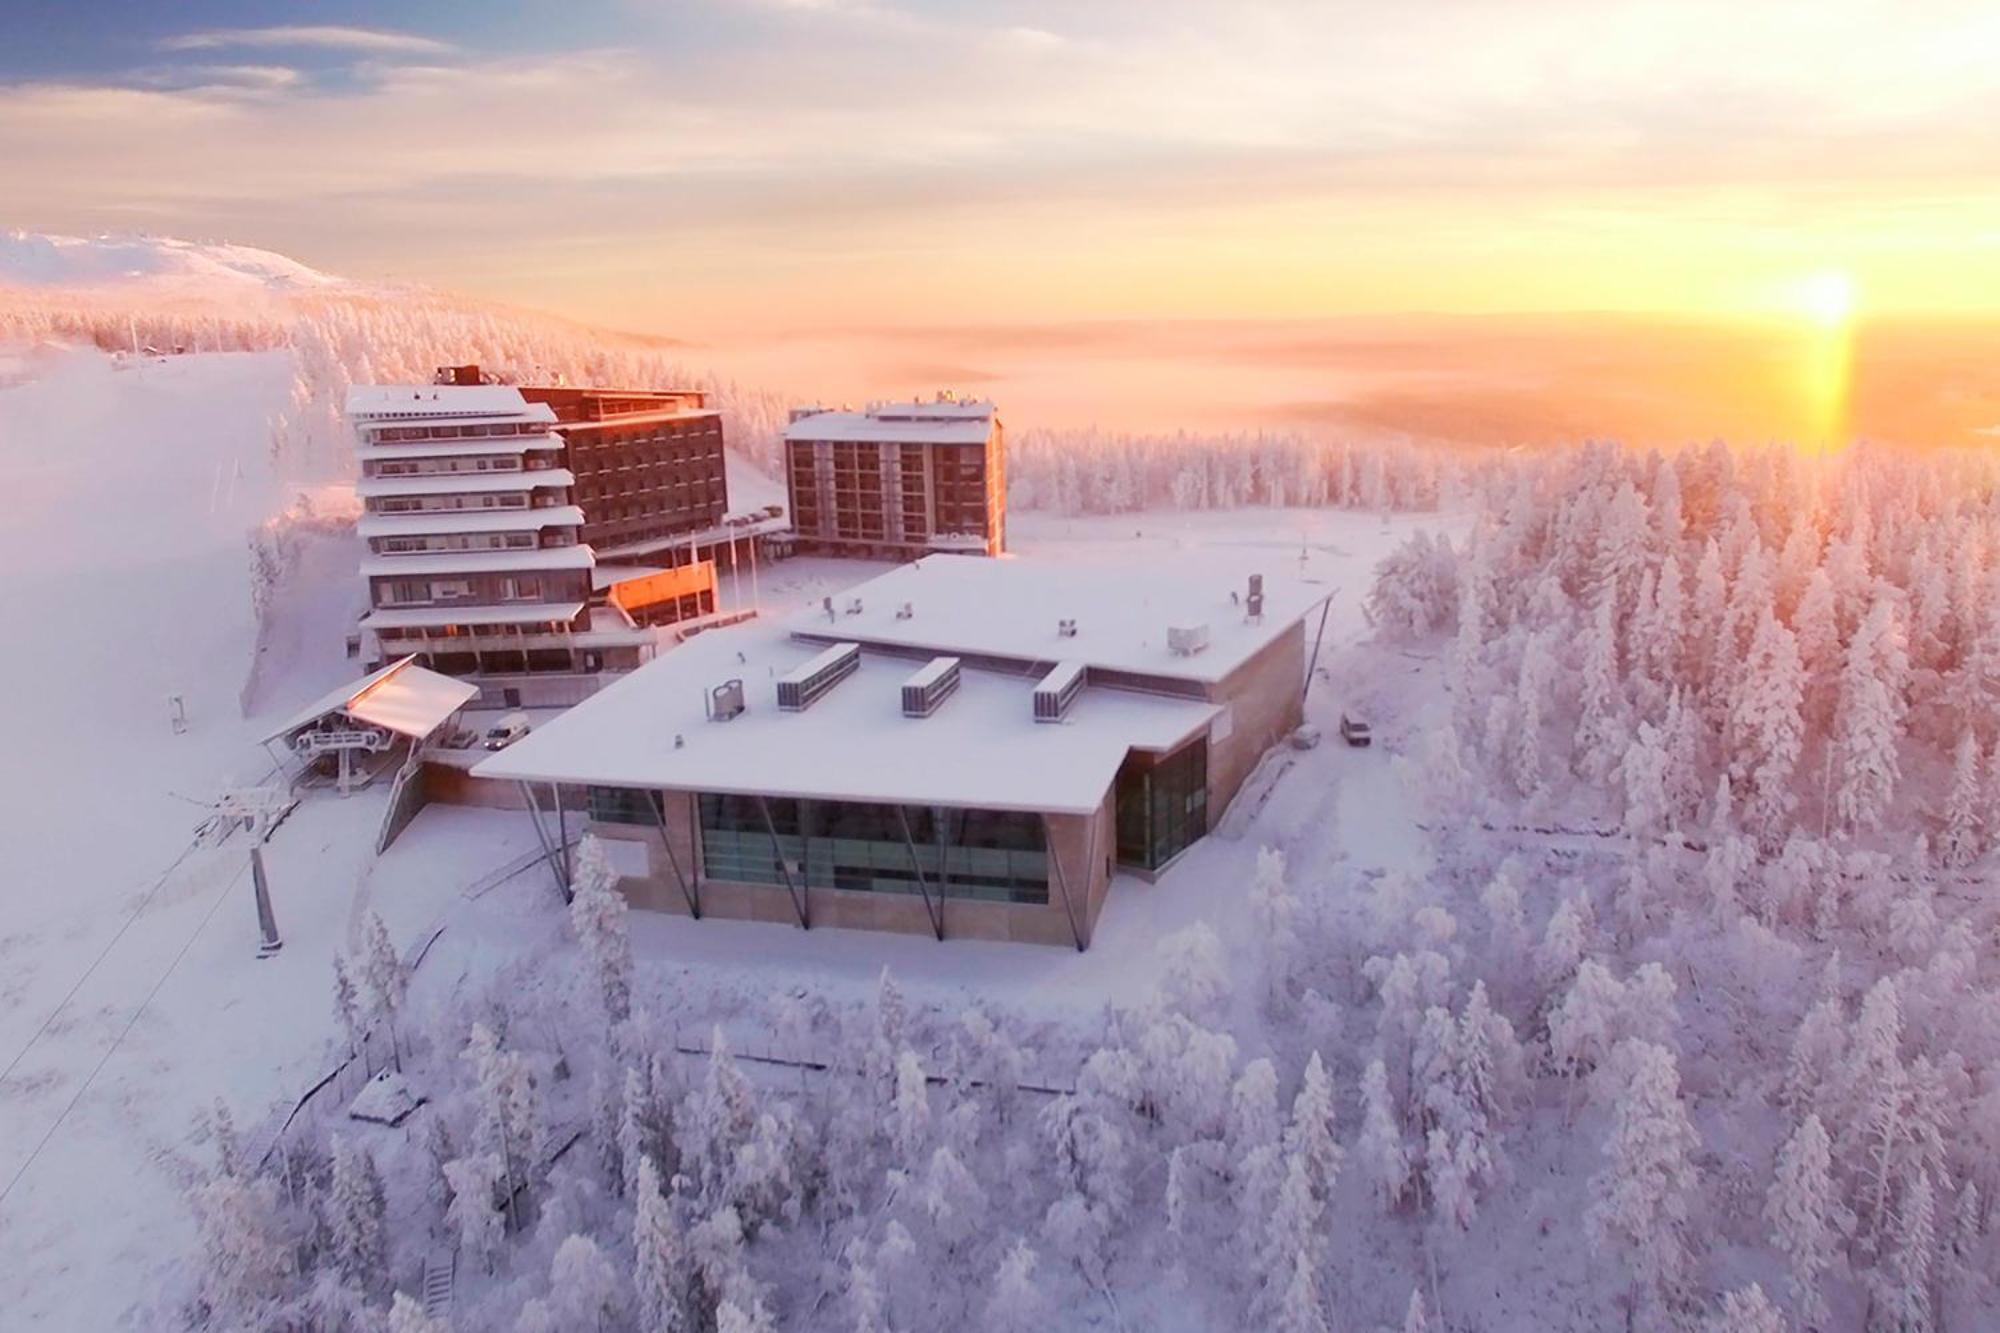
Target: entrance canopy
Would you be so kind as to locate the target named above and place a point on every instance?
(402, 697)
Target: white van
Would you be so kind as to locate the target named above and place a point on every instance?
(510, 728)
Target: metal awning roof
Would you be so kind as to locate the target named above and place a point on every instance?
(402, 697)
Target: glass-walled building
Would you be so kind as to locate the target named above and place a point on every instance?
(780, 772)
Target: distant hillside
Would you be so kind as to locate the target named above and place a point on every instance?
(35, 259)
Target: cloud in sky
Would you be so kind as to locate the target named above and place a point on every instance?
(1270, 157)
(332, 37)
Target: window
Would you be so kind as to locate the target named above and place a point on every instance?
(1162, 804)
(865, 847)
(625, 805)
(448, 590)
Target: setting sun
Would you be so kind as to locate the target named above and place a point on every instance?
(1827, 299)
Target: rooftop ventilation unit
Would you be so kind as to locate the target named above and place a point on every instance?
(1253, 606)
(1057, 691)
(1065, 629)
(933, 683)
(905, 611)
(1187, 640)
(799, 687)
(854, 606)
(725, 701)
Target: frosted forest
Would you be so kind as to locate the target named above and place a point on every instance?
(1685, 1016)
(1690, 1022)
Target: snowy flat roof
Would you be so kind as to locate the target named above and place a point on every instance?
(469, 520)
(443, 402)
(1008, 608)
(464, 483)
(402, 697)
(455, 613)
(853, 743)
(506, 444)
(900, 423)
(419, 563)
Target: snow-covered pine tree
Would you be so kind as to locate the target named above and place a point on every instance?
(384, 977)
(1310, 1136)
(660, 1257)
(406, 1315)
(1804, 1210)
(1869, 728)
(1380, 1152)
(597, 913)
(1641, 1199)
(356, 1209)
(474, 1213)
(583, 1287)
(1767, 732)
(1959, 842)
(347, 1006)
(1745, 1310)
(1016, 1303)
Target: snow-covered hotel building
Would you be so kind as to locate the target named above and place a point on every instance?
(899, 480)
(482, 504)
(961, 747)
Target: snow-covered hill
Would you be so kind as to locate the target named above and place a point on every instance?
(36, 259)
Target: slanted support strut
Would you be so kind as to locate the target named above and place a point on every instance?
(1062, 879)
(934, 910)
(778, 855)
(529, 799)
(688, 890)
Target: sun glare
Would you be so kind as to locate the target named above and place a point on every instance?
(1827, 299)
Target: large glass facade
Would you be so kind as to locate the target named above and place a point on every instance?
(996, 855)
(1162, 804)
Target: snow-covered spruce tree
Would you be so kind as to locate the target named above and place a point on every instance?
(406, 1315)
(1276, 912)
(910, 1123)
(1805, 1213)
(1380, 1153)
(953, 1201)
(1960, 839)
(1767, 732)
(1601, 732)
(1869, 727)
(355, 1215)
(583, 1287)
(1745, 1310)
(1902, 1286)
(347, 1006)
(597, 913)
(474, 1214)
(508, 1112)
(384, 977)
(1310, 1136)
(715, 1119)
(1642, 1197)
(659, 1255)
(247, 1255)
(1016, 1303)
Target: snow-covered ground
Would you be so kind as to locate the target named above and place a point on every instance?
(134, 999)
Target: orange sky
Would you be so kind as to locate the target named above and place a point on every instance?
(755, 175)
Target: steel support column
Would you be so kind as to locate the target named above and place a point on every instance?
(778, 855)
(1325, 609)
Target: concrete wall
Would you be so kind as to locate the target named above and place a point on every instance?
(1263, 697)
(1084, 861)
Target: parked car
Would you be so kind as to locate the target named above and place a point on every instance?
(510, 728)
(1355, 732)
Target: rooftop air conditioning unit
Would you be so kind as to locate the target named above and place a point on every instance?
(1066, 629)
(1187, 640)
(1253, 606)
(905, 611)
(799, 687)
(933, 683)
(854, 606)
(1058, 690)
(725, 701)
